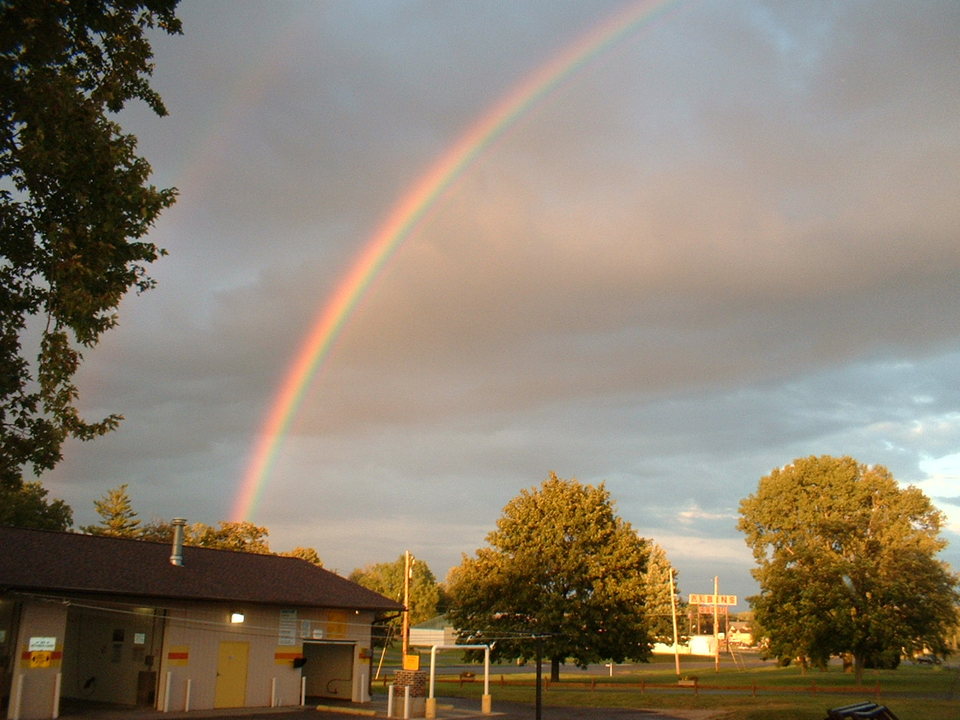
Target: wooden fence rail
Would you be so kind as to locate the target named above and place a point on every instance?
(693, 685)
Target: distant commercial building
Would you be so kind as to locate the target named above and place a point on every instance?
(436, 631)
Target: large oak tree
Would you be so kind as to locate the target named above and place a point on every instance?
(847, 563)
(562, 571)
(75, 206)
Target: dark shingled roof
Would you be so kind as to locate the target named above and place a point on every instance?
(42, 561)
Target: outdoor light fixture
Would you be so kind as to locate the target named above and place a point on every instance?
(236, 617)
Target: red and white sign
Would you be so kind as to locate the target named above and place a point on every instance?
(699, 599)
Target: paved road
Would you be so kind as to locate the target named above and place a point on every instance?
(447, 709)
(468, 709)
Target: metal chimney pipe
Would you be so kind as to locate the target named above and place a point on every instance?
(176, 558)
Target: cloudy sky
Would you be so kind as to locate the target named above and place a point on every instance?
(727, 240)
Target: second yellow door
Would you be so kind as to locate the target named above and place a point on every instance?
(231, 688)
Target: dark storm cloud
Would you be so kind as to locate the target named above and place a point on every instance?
(727, 242)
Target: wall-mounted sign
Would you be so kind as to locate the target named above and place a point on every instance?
(40, 659)
(42, 644)
(287, 631)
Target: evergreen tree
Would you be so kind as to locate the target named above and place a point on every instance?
(117, 516)
(658, 606)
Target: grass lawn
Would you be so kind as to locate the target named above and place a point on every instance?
(762, 690)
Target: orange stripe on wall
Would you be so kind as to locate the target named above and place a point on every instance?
(54, 655)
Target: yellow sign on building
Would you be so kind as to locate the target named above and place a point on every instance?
(41, 659)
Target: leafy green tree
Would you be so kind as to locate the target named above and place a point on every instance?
(240, 536)
(119, 519)
(561, 571)
(305, 553)
(75, 206)
(243, 536)
(387, 579)
(847, 562)
(117, 516)
(27, 507)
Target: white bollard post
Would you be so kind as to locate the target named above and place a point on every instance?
(56, 695)
(406, 702)
(303, 691)
(187, 689)
(486, 702)
(273, 692)
(364, 688)
(166, 691)
(389, 702)
(18, 699)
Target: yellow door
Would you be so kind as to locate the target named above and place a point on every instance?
(231, 675)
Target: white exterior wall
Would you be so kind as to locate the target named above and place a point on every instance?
(188, 651)
(35, 680)
(275, 637)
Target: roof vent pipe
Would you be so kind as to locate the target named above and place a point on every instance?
(176, 558)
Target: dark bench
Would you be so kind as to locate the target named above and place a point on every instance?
(466, 677)
(861, 711)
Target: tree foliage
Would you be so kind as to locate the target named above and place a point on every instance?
(241, 536)
(387, 579)
(658, 606)
(847, 563)
(27, 507)
(117, 516)
(119, 519)
(561, 571)
(305, 553)
(75, 205)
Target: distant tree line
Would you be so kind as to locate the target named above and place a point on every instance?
(119, 519)
(846, 559)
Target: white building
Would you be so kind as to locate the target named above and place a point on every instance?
(114, 620)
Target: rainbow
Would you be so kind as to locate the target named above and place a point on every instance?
(404, 217)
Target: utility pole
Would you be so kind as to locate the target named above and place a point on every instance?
(673, 612)
(406, 606)
(716, 623)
